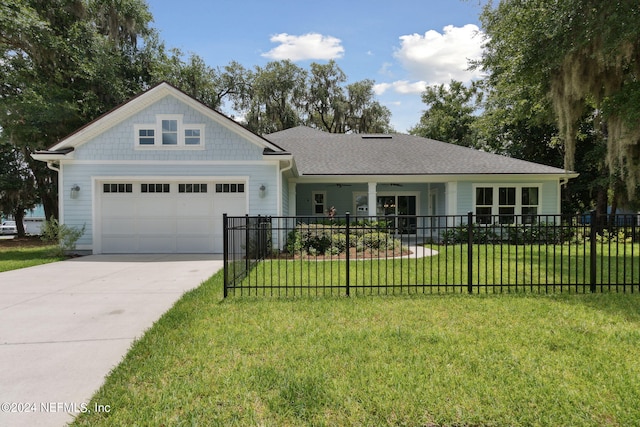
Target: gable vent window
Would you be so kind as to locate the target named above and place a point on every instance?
(229, 188)
(155, 188)
(192, 188)
(169, 132)
(117, 188)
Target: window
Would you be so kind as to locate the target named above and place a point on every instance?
(229, 188)
(117, 188)
(192, 136)
(506, 203)
(529, 204)
(484, 204)
(192, 188)
(146, 136)
(169, 132)
(155, 188)
(318, 202)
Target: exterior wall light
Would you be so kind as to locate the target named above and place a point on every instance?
(75, 190)
(263, 191)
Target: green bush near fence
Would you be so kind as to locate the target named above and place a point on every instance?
(515, 234)
(331, 239)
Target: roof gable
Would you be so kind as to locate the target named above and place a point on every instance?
(143, 101)
(321, 153)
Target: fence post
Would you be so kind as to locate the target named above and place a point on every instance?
(593, 256)
(470, 252)
(225, 253)
(247, 236)
(347, 254)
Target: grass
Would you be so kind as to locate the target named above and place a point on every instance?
(499, 360)
(496, 268)
(25, 252)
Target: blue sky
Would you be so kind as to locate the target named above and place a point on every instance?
(403, 45)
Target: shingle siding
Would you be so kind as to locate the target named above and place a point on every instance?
(118, 143)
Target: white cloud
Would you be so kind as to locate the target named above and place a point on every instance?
(307, 46)
(403, 87)
(437, 58)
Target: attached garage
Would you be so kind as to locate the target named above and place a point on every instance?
(166, 216)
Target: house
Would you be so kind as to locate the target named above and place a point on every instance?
(156, 174)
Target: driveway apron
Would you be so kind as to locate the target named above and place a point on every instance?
(65, 325)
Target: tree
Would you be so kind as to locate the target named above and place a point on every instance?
(583, 54)
(274, 97)
(451, 113)
(364, 113)
(17, 187)
(65, 62)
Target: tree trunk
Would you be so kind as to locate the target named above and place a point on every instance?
(18, 216)
(601, 208)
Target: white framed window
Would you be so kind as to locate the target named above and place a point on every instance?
(169, 132)
(501, 203)
(318, 202)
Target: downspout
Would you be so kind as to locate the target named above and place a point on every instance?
(52, 167)
(282, 171)
(561, 183)
(280, 237)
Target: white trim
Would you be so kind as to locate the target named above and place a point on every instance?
(175, 162)
(293, 196)
(60, 195)
(383, 179)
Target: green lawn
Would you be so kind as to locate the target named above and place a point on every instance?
(482, 360)
(13, 258)
(493, 266)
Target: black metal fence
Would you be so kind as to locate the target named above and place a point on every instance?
(347, 255)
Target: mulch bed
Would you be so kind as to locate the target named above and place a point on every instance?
(353, 254)
(23, 242)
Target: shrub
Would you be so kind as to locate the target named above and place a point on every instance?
(331, 239)
(61, 234)
(460, 234)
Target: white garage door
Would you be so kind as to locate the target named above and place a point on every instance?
(165, 216)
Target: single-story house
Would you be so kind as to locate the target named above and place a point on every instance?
(156, 174)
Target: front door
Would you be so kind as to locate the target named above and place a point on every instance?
(401, 205)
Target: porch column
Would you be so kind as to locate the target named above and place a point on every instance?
(372, 199)
(292, 199)
(451, 194)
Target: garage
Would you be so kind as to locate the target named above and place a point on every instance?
(165, 216)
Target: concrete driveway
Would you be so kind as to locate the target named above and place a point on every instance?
(64, 326)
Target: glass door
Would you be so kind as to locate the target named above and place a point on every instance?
(407, 206)
(398, 205)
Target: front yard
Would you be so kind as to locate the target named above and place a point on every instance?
(405, 360)
(25, 252)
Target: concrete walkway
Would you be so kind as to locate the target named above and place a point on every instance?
(64, 326)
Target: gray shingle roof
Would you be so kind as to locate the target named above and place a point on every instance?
(321, 153)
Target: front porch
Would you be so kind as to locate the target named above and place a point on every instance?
(404, 203)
